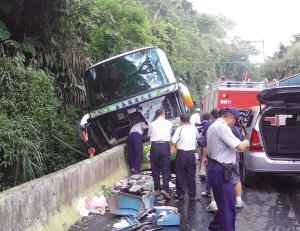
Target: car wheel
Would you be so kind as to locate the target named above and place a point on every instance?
(247, 178)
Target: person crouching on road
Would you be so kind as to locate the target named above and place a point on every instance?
(185, 138)
(221, 147)
(160, 152)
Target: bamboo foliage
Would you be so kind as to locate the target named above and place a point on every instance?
(28, 119)
(74, 64)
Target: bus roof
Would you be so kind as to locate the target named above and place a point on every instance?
(127, 76)
(120, 55)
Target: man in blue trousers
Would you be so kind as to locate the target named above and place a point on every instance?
(135, 143)
(221, 147)
(160, 152)
(185, 138)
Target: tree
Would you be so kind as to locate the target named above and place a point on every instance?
(195, 44)
(286, 62)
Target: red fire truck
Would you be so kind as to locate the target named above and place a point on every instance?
(226, 93)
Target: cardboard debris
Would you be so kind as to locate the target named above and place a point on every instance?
(130, 205)
(167, 215)
(133, 198)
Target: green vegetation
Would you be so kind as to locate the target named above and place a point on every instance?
(285, 63)
(28, 120)
(45, 47)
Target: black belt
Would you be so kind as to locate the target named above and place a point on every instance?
(213, 161)
(160, 142)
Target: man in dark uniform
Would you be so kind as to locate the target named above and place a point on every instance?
(135, 143)
(214, 114)
(160, 152)
(221, 147)
(185, 138)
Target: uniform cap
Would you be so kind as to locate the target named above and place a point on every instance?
(234, 112)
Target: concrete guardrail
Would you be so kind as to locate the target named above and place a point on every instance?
(49, 203)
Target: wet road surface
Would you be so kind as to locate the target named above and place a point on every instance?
(273, 203)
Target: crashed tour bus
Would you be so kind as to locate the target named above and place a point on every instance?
(139, 81)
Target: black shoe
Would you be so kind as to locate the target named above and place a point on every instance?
(179, 197)
(192, 198)
(202, 178)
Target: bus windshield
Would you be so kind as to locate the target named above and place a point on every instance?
(127, 75)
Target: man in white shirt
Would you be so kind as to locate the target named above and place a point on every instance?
(196, 117)
(160, 152)
(185, 139)
(221, 146)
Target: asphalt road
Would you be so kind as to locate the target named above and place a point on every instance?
(272, 204)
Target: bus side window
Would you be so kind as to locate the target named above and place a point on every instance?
(120, 124)
(168, 105)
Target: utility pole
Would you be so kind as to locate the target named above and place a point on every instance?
(263, 47)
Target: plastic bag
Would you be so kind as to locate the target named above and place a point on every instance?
(96, 205)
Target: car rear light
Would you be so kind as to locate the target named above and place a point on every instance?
(255, 145)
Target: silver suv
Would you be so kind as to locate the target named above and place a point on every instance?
(273, 130)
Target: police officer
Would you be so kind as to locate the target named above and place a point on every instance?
(239, 203)
(196, 117)
(135, 144)
(237, 186)
(160, 152)
(214, 115)
(185, 139)
(221, 147)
